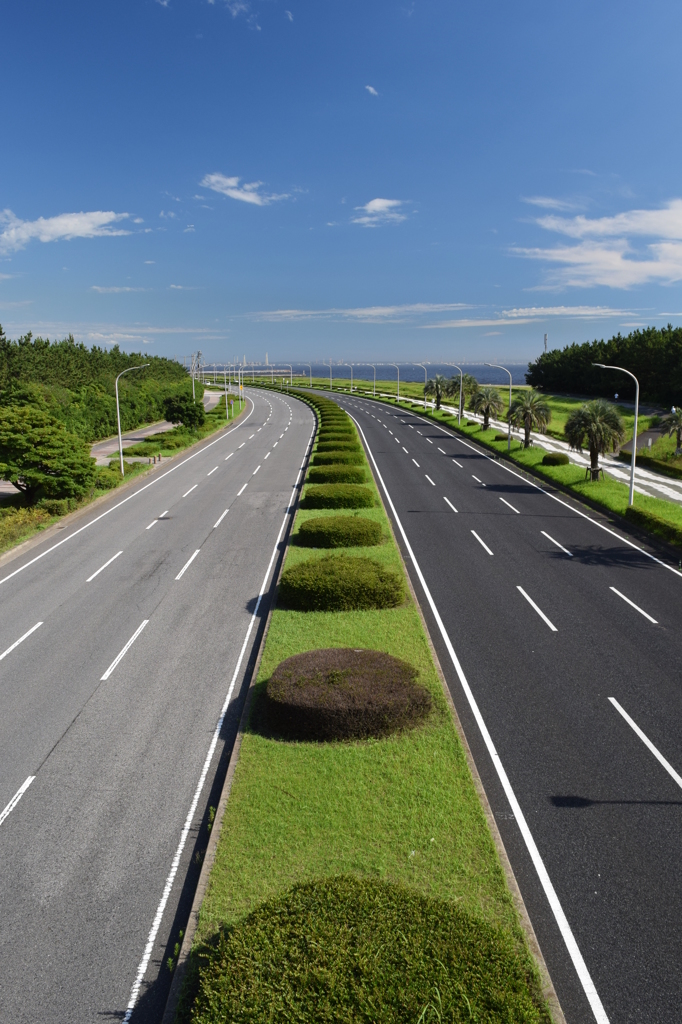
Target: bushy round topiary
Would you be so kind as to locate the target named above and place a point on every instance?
(339, 532)
(340, 583)
(339, 446)
(501, 437)
(337, 496)
(358, 950)
(338, 458)
(344, 694)
(555, 459)
(338, 474)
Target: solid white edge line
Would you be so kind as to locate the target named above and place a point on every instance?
(187, 564)
(243, 488)
(142, 969)
(129, 498)
(20, 640)
(545, 881)
(540, 612)
(221, 518)
(510, 506)
(450, 504)
(482, 542)
(565, 550)
(15, 799)
(635, 606)
(647, 742)
(102, 567)
(429, 479)
(124, 651)
(189, 491)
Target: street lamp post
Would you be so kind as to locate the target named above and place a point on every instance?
(118, 411)
(602, 366)
(398, 369)
(510, 387)
(311, 372)
(351, 376)
(461, 385)
(374, 392)
(331, 386)
(424, 369)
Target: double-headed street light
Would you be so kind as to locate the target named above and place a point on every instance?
(622, 369)
(118, 411)
(510, 387)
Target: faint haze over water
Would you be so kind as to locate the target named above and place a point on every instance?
(409, 372)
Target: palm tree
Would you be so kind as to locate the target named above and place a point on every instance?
(529, 410)
(673, 425)
(469, 385)
(596, 426)
(436, 387)
(487, 400)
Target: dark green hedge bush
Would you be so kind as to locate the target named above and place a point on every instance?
(338, 458)
(655, 524)
(343, 694)
(555, 459)
(355, 951)
(337, 496)
(106, 478)
(339, 446)
(501, 437)
(339, 532)
(57, 506)
(343, 433)
(337, 474)
(340, 583)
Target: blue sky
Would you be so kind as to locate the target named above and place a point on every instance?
(410, 180)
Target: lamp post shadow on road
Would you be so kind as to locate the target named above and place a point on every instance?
(621, 369)
(118, 411)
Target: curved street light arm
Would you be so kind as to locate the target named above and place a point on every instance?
(621, 369)
(351, 375)
(118, 410)
(398, 369)
(510, 387)
(424, 369)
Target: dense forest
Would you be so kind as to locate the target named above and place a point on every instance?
(75, 384)
(653, 355)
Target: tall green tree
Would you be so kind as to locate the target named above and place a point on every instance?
(486, 401)
(596, 426)
(181, 409)
(673, 425)
(436, 387)
(40, 457)
(530, 410)
(452, 389)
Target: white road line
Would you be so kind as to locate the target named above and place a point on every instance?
(635, 606)
(391, 433)
(419, 432)
(212, 471)
(91, 578)
(543, 875)
(275, 444)
(429, 440)
(156, 924)
(241, 445)
(478, 481)
(243, 488)
(189, 491)
(125, 649)
(647, 742)
(255, 470)
(20, 640)
(565, 550)
(147, 528)
(187, 564)
(267, 456)
(15, 799)
(249, 438)
(228, 456)
(458, 463)
(482, 542)
(542, 615)
(405, 450)
(441, 451)
(221, 518)
(450, 504)
(429, 479)
(396, 439)
(416, 463)
(510, 506)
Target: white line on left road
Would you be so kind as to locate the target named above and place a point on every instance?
(450, 504)
(125, 650)
(482, 542)
(405, 450)
(16, 798)
(458, 463)
(540, 612)
(187, 564)
(635, 606)
(243, 488)
(189, 491)
(441, 451)
(267, 456)
(255, 470)
(20, 640)
(429, 479)
(510, 506)
(91, 578)
(228, 456)
(212, 471)
(565, 550)
(647, 742)
(221, 518)
(416, 463)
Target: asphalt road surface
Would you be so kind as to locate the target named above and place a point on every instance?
(561, 644)
(119, 649)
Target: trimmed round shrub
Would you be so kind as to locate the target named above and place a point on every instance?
(337, 474)
(471, 423)
(361, 949)
(344, 694)
(106, 478)
(339, 532)
(340, 583)
(343, 433)
(337, 496)
(555, 459)
(500, 437)
(339, 446)
(338, 458)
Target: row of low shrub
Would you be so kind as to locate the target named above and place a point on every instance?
(340, 583)
(654, 524)
(338, 458)
(339, 532)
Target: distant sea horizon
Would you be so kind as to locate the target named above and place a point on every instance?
(410, 373)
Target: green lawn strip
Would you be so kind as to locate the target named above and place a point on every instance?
(402, 809)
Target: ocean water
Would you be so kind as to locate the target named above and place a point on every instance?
(408, 371)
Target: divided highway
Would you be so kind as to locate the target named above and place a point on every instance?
(561, 645)
(123, 648)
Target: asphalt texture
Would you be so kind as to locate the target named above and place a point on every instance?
(603, 811)
(116, 763)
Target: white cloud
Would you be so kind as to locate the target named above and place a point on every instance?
(371, 90)
(190, 227)
(150, 261)
(368, 314)
(547, 203)
(380, 211)
(607, 253)
(138, 220)
(247, 193)
(16, 233)
(236, 7)
(289, 15)
(102, 290)
(167, 214)
(535, 314)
